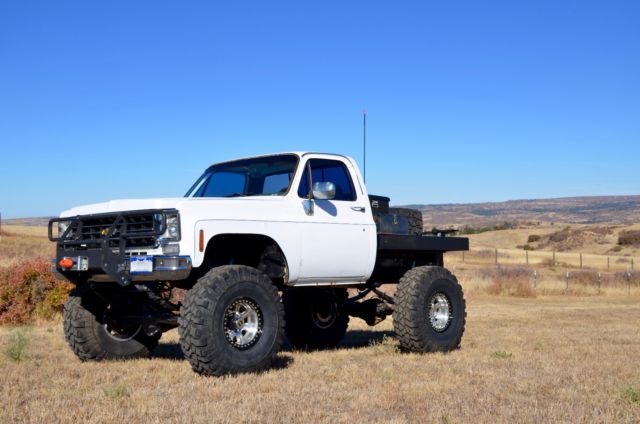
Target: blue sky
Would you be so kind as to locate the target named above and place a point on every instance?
(467, 101)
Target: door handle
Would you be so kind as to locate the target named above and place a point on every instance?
(358, 208)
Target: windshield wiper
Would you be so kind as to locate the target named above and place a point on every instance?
(238, 194)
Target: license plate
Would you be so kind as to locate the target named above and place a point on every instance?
(141, 265)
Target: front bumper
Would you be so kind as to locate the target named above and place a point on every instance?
(91, 266)
(100, 247)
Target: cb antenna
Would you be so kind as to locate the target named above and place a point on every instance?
(364, 143)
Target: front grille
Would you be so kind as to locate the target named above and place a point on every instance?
(140, 230)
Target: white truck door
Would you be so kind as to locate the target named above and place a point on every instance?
(338, 235)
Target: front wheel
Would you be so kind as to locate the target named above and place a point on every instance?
(429, 312)
(92, 335)
(231, 321)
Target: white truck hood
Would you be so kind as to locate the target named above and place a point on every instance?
(125, 205)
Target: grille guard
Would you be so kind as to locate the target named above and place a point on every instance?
(113, 260)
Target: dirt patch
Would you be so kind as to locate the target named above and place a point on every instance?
(569, 239)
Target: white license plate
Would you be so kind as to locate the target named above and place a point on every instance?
(141, 265)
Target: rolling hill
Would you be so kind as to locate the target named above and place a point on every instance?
(577, 210)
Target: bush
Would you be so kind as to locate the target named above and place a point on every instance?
(629, 238)
(511, 282)
(627, 278)
(533, 238)
(28, 291)
(584, 278)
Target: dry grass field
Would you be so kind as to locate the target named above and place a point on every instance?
(18, 242)
(551, 359)
(545, 355)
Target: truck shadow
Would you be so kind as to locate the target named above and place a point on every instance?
(354, 339)
(172, 351)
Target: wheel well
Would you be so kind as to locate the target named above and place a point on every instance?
(254, 250)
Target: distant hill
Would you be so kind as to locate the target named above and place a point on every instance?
(579, 210)
(31, 222)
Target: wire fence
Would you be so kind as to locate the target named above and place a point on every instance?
(541, 258)
(523, 273)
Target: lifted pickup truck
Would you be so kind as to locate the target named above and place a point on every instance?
(264, 247)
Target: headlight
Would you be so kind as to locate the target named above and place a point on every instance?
(62, 227)
(173, 228)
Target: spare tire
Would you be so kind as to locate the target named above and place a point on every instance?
(414, 216)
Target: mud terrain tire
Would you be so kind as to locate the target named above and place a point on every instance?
(231, 321)
(315, 320)
(429, 313)
(414, 216)
(91, 340)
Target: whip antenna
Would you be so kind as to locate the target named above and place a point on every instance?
(364, 144)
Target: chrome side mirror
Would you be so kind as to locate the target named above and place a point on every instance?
(324, 190)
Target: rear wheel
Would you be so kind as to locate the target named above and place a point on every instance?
(315, 319)
(231, 321)
(429, 312)
(93, 335)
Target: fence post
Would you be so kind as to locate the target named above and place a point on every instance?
(535, 278)
(496, 256)
(580, 260)
(608, 264)
(554, 258)
(599, 281)
(527, 255)
(628, 283)
(567, 287)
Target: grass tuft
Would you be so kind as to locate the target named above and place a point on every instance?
(501, 354)
(116, 392)
(631, 395)
(18, 343)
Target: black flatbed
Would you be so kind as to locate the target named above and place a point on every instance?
(423, 243)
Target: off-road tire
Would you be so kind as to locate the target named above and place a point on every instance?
(411, 319)
(414, 216)
(305, 329)
(202, 317)
(90, 340)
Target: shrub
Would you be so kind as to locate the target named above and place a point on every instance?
(511, 282)
(533, 238)
(629, 238)
(627, 278)
(584, 278)
(28, 291)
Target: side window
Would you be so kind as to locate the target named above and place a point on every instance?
(276, 183)
(323, 170)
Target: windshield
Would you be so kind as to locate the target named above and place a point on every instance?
(265, 176)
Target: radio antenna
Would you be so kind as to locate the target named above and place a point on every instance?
(364, 143)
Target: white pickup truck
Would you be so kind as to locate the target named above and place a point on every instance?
(264, 247)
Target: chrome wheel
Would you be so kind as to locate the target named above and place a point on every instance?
(439, 312)
(242, 323)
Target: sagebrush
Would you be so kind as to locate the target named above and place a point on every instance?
(29, 290)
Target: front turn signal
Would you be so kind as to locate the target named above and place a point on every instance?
(66, 263)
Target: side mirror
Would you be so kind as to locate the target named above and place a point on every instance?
(324, 190)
